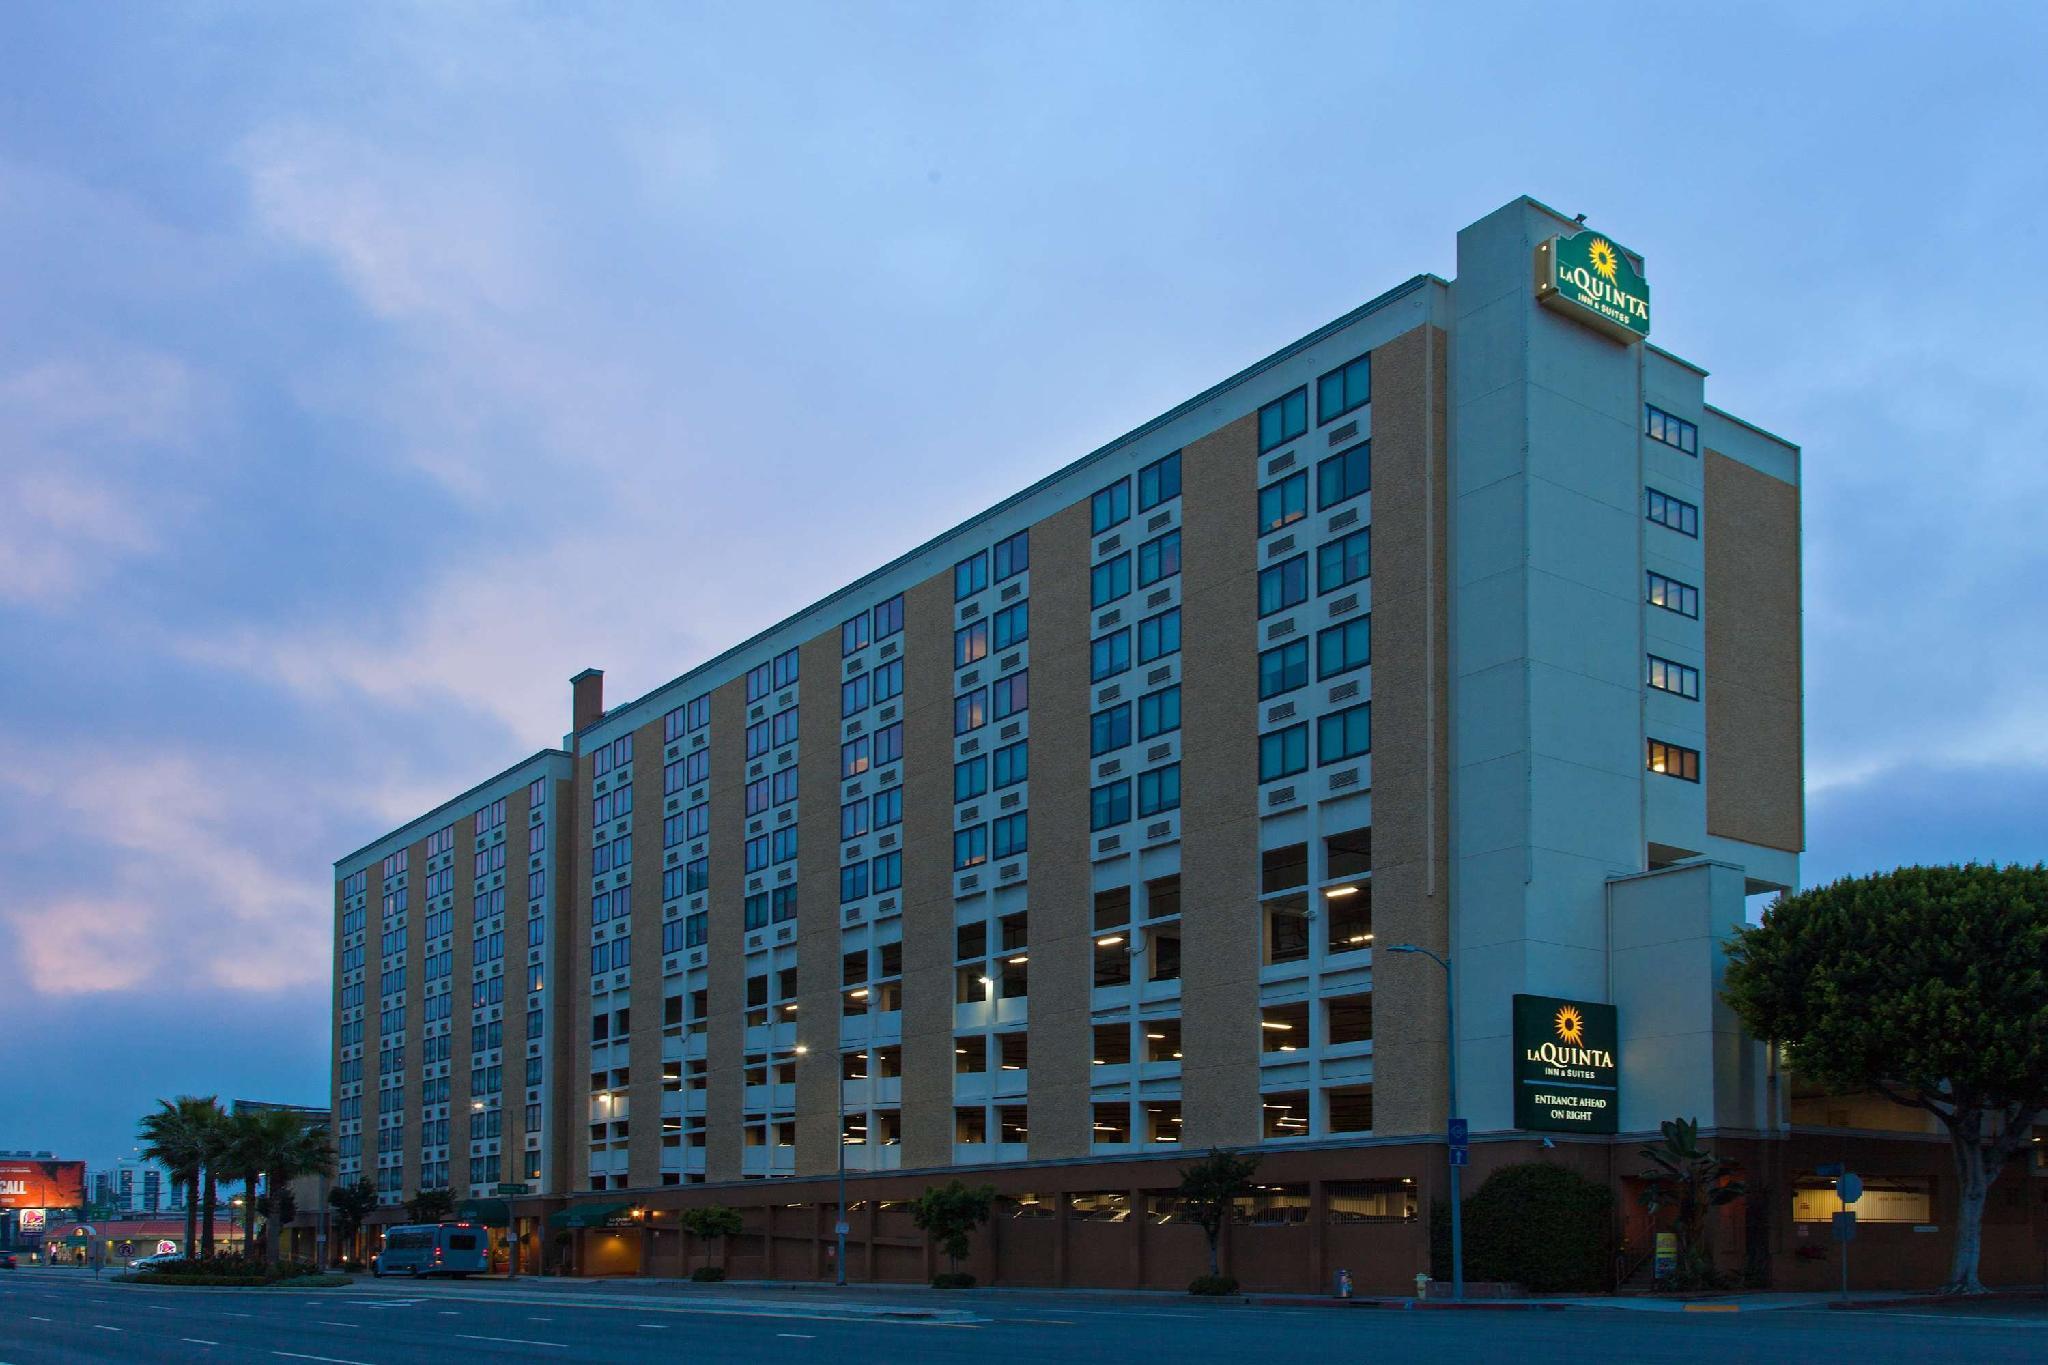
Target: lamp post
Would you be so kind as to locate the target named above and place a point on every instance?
(1451, 1053)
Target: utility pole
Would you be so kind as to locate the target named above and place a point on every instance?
(1454, 1154)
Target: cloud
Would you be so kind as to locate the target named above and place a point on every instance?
(75, 439)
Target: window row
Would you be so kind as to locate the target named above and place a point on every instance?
(1158, 481)
(1340, 735)
(1339, 649)
(871, 627)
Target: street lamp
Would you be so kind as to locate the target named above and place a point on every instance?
(1451, 1053)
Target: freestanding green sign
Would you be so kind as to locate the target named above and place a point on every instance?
(1591, 280)
(1566, 1080)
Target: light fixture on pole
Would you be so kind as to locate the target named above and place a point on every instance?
(1451, 1053)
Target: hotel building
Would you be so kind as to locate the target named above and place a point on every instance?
(1078, 837)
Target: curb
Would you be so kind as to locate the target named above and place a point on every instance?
(1926, 1300)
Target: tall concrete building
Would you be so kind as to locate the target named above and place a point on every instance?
(1080, 836)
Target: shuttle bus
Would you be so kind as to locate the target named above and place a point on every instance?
(454, 1249)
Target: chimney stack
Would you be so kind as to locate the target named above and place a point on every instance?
(586, 699)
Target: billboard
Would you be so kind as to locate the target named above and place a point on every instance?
(42, 1184)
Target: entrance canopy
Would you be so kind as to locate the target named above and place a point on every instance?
(586, 1215)
(492, 1213)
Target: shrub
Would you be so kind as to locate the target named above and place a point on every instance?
(708, 1274)
(1534, 1224)
(234, 1266)
(952, 1279)
(1213, 1286)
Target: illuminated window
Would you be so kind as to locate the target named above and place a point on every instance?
(1674, 760)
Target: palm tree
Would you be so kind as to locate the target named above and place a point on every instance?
(215, 1142)
(241, 1159)
(175, 1138)
(352, 1204)
(285, 1148)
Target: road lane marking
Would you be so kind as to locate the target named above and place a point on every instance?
(450, 1313)
(331, 1360)
(199, 1341)
(34, 1318)
(798, 1336)
(102, 1327)
(657, 1326)
(325, 1322)
(512, 1341)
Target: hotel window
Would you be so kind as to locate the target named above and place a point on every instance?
(1285, 668)
(1159, 790)
(696, 875)
(785, 843)
(1342, 648)
(970, 779)
(1672, 431)
(853, 819)
(1283, 419)
(1283, 585)
(888, 808)
(1674, 760)
(1109, 580)
(1283, 503)
(1159, 481)
(888, 744)
(1344, 561)
(1283, 753)
(888, 872)
(1013, 556)
(970, 575)
(970, 712)
(1012, 625)
(1344, 734)
(854, 757)
(785, 727)
(853, 635)
(1109, 729)
(1673, 595)
(1344, 476)
(758, 742)
(1109, 655)
(1676, 513)
(1110, 506)
(853, 697)
(1109, 804)
(1011, 695)
(1159, 636)
(1159, 712)
(1010, 764)
(757, 853)
(853, 882)
(888, 681)
(697, 820)
(970, 847)
(1667, 676)
(1344, 389)
(1010, 835)
(1158, 558)
(970, 644)
(760, 682)
(889, 618)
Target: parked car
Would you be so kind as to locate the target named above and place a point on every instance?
(7, 1261)
(161, 1259)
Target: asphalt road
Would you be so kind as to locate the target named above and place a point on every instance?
(51, 1316)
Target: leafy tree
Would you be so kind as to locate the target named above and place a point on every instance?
(352, 1204)
(174, 1137)
(1209, 1190)
(948, 1214)
(1689, 1180)
(429, 1206)
(713, 1221)
(1928, 985)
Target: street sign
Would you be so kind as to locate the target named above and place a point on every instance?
(841, 1229)
(1849, 1188)
(1831, 1168)
(1845, 1226)
(515, 1189)
(1461, 1156)
(1460, 1131)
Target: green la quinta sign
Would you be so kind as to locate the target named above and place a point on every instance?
(1566, 1080)
(1596, 283)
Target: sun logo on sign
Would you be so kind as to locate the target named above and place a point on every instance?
(1606, 260)
(1571, 1026)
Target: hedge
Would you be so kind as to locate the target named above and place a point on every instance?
(1534, 1224)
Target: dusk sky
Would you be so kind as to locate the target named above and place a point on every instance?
(367, 370)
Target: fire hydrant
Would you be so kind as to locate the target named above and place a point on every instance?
(1422, 1284)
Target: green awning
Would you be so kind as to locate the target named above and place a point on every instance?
(492, 1213)
(586, 1215)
